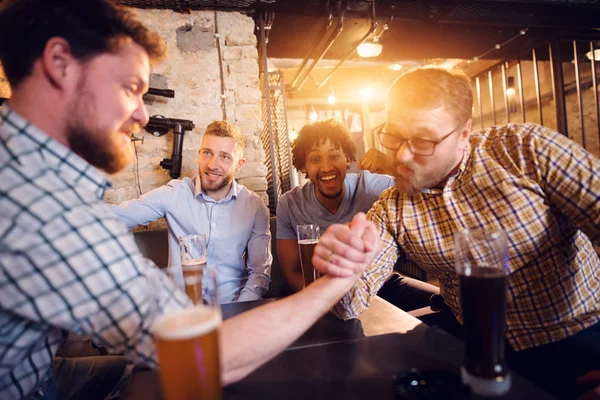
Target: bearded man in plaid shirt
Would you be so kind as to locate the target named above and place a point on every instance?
(537, 185)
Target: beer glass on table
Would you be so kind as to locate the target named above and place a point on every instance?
(187, 345)
(308, 236)
(193, 264)
(481, 258)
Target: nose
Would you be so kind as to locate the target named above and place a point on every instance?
(140, 115)
(212, 162)
(326, 165)
(403, 154)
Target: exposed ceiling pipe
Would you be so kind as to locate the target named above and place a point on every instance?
(315, 46)
(364, 39)
(338, 29)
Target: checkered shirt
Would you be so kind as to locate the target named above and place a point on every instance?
(67, 263)
(543, 190)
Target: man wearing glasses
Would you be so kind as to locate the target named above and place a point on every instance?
(532, 182)
(323, 151)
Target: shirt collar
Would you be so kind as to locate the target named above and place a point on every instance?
(232, 194)
(457, 174)
(53, 154)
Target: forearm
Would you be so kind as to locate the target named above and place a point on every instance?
(134, 212)
(354, 302)
(274, 326)
(256, 287)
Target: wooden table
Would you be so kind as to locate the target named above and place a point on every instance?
(357, 359)
(379, 319)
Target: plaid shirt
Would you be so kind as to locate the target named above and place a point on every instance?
(538, 186)
(67, 263)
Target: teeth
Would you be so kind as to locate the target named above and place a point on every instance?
(328, 178)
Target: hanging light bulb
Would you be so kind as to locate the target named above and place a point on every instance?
(371, 48)
(313, 116)
(596, 55)
(331, 98)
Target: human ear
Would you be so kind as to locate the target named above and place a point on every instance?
(57, 62)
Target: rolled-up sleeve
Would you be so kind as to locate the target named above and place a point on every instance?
(149, 207)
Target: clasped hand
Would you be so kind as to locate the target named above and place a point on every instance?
(347, 249)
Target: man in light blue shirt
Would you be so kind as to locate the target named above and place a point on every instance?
(234, 219)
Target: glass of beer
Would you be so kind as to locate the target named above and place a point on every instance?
(308, 236)
(187, 344)
(481, 259)
(193, 264)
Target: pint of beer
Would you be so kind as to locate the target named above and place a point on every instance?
(308, 237)
(193, 273)
(187, 344)
(193, 264)
(481, 265)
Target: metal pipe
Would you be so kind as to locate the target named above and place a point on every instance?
(338, 29)
(221, 73)
(538, 94)
(521, 94)
(492, 100)
(595, 86)
(478, 87)
(579, 96)
(558, 84)
(267, 94)
(505, 94)
(313, 49)
(364, 38)
(288, 149)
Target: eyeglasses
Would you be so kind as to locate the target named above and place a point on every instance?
(420, 147)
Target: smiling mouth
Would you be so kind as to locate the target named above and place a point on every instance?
(212, 175)
(328, 178)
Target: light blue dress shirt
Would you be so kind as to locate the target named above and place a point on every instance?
(236, 229)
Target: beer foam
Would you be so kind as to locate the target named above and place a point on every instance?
(308, 241)
(188, 323)
(194, 262)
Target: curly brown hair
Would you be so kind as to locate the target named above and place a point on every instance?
(317, 133)
(91, 27)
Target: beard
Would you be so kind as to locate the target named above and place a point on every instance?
(102, 151)
(101, 147)
(211, 187)
(331, 195)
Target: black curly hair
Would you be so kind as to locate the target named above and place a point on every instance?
(317, 133)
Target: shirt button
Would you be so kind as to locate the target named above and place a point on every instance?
(213, 224)
(448, 194)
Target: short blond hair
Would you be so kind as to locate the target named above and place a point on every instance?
(226, 129)
(432, 87)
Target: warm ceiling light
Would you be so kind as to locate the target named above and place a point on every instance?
(313, 116)
(596, 55)
(395, 67)
(369, 49)
(331, 98)
(366, 92)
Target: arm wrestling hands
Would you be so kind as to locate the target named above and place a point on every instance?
(348, 249)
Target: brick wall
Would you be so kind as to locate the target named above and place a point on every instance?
(192, 71)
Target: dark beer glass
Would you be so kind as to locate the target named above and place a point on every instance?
(308, 237)
(480, 258)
